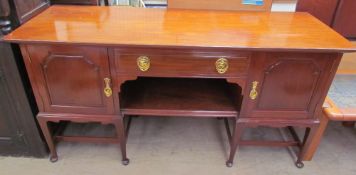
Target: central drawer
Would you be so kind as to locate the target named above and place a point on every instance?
(168, 63)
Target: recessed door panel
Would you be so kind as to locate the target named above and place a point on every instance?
(71, 79)
(287, 85)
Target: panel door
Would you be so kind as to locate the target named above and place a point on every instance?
(287, 85)
(70, 79)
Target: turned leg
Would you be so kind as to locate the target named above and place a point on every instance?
(235, 143)
(48, 137)
(316, 138)
(120, 130)
(310, 133)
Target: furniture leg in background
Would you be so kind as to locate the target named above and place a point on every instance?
(340, 105)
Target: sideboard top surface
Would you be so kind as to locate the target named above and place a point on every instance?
(125, 26)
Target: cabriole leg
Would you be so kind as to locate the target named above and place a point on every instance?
(120, 129)
(307, 143)
(235, 143)
(48, 137)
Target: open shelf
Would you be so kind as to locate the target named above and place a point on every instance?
(180, 97)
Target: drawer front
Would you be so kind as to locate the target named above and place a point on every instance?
(182, 64)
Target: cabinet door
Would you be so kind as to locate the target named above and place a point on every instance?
(289, 85)
(70, 79)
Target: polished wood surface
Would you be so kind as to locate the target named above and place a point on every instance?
(272, 72)
(348, 63)
(340, 105)
(180, 28)
(64, 75)
(218, 5)
(331, 112)
(324, 10)
(293, 95)
(183, 63)
(180, 97)
(68, 85)
(339, 14)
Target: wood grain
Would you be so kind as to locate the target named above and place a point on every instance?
(290, 85)
(173, 63)
(324, 10)
(69, 79)
(182, 44)
(180, 28)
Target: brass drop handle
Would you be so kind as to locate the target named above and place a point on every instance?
(222, 65)
(143, 63)
(253, 92)
(107, 89)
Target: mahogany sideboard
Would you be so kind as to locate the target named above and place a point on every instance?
(100, 64)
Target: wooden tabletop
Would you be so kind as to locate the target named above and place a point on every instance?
(114, 26)
(341, 101)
